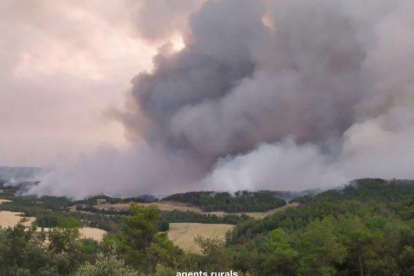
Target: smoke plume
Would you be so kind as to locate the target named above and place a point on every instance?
(272, 94)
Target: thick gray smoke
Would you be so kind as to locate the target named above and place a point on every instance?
(283, 95)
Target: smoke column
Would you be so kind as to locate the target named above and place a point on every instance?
(282, 95)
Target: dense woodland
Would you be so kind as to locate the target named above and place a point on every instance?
(364, 229)
(241, 201)
(367, 228)
(113, 200)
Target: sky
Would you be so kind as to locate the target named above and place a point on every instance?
(64, 65)
(134, 97)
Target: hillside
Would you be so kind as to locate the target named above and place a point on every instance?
(365, 228)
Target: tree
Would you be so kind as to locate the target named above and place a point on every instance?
(320, 249)
(241, 260)
(140, 242)
(359, 240)
(406, 244)
(165, 271)
(22, 253)
(215, 256)
(106, 265)
(280, 256)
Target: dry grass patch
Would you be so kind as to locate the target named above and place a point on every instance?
(4, 201)
(10, 219)
(260, 215)
(92, 233)
(183, 234)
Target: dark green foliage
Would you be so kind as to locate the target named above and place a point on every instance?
(93, 209)
(113, 200)
(140, 243)
(24, 252)
(241, 201)
(106, 222)
(189, 216)
(164, 226)
(29, 204)
(364, 229)
(47, 220)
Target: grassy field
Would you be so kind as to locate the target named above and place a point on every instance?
(183, 234)
(4, 200)
(259, 215)
(10, 219)
(92, 233)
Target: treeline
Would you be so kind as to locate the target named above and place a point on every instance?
(366, 228)
(114, 200)
(241, 201)
(189, 216)
(45, 202)
(170, 216)
(93, 209)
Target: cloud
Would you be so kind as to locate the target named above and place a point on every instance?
(157, 20)
(62, 64)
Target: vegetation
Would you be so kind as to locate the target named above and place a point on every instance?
(106, 265)
(185, 235)
(189, 216)
(91, 201)
(241, 201)
(24, 252)
(364, 229)
(367, 228)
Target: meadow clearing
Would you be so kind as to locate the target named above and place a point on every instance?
(183, 234)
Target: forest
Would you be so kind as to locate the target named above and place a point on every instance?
(363, 229)
(241, 201)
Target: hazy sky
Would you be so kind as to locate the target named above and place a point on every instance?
(63, 65)
(210, 94)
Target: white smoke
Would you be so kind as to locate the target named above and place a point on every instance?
(282, 95)
(284, 165)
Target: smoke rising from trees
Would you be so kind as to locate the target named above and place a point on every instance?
(281, 95)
